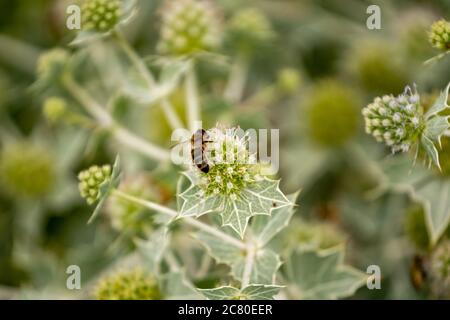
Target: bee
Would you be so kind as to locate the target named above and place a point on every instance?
(417, 272)
(199, 140)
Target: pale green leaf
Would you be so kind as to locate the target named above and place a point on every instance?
(265, 228)
(265, 265)
(153, 248)
(436, 127)
(221, 293)
(196, 204)
(430, 149)
(221, 251)
(321, 275)
(175, 287)
(251, 292)
(260, 292)
(440, 104)
(435, 198)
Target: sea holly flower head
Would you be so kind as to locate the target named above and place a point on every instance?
(234, 185)
(91, 181)
(401, 123)
(100, 15)
(396, 121)
(99, 18)
(128, 285)
(188, 26)
(26, 170)
(439, 35)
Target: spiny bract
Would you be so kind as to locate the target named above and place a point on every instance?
(396, 121)
(188, 26)
(91, 181)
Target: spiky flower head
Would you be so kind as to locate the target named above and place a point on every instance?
(440, 270)
(188, 26)
(91, 180)
(396, 121)
(127, 216)
(232, 166)
(100, 15)
(130, 285)
(332, 114)
(26, 170)
(54, 109)
(439, 35)
(249, 28)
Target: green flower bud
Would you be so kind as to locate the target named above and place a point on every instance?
(232, 167)
(188, 26)
(416, 229)
(439, 35)
(91, 180)
(51, 64)
(54, 109)
(396, 121)
(100, 15)
(129, 285)
(26, 170)
(128, 216)
(289, 80)
(332, 114)
(249, 28)
(440, 270)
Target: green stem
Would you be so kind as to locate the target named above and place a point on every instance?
(169, 111)
(193, 108)
(249, 262)
(237, 80)
(105, 120)
(190, 221)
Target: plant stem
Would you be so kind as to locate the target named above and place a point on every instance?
(249, 261)
(169, 111)
(190, 221)
(237, 80)
(134, 58)
(193, 108)
(105, 120)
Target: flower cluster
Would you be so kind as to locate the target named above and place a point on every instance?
(233, 168)
(188, 26)
(440, 270)
(439, 35)
(26, 170)
(101, 15)
(91, 181)
(132, 285)
(396, 121)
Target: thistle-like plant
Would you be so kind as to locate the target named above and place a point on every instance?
(401, 123)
